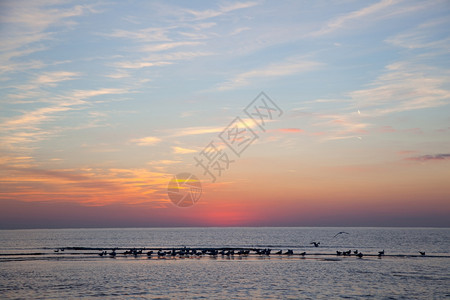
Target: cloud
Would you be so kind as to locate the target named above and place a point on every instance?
(339, 126)
(289, 67)
(141, 64)
(83, 94)
(54, 77)
(180, 150)
(119, 75)
(33, 117)
(380, 10)
(426, 36)
(157, 60)
(406, 152)
(289, 130)
(19, 131)
(196, 130)
(211, 13)
(428, 157)
(167, 46)
(152, 34)
(358, 14)
(86, 186)
(386, 129)
(146, 141)
(65, 103)
(404, 86)
(164, 162)
(24, 27)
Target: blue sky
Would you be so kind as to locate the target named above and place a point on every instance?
(95, 90)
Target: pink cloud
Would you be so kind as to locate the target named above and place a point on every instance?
(404, 152)
(386, 129)
(441, 156)
(290, 130)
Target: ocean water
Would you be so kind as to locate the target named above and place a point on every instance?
(31, 269)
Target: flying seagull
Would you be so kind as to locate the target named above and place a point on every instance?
(316, 244)
(342, 232)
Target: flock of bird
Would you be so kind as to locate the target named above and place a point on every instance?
(194, 252)
(188, 252)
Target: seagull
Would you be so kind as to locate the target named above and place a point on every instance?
(316, 244)
(289, 252)
(360, 255)
(422, 253)
(342, 232)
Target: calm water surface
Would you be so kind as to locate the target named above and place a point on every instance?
(401, 274)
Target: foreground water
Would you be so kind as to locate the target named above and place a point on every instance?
(31, 269)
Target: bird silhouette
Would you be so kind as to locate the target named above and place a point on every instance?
(342, 232)
(289, 252)
(316, 244)
(422, 253)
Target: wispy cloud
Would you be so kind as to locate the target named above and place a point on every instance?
(164, 162)
(285, 68)
(141, 64)
(24, 25)
(27, 127)
(355, 15)
(152, 34)
(167, 46)
(84, 186)
(404, 86)
(335, 126)
(196, 130)
(423, 36)
(146, 141)
(289, 130)
(31, 118)
(181, 150)
(50, 78)
(211, 13)
(83, 94)
(158, 60)
(428, 157)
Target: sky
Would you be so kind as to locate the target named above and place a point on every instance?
(102, 103)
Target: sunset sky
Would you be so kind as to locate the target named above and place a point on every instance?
(102, 102)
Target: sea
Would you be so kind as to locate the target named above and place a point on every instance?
(65, 263)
